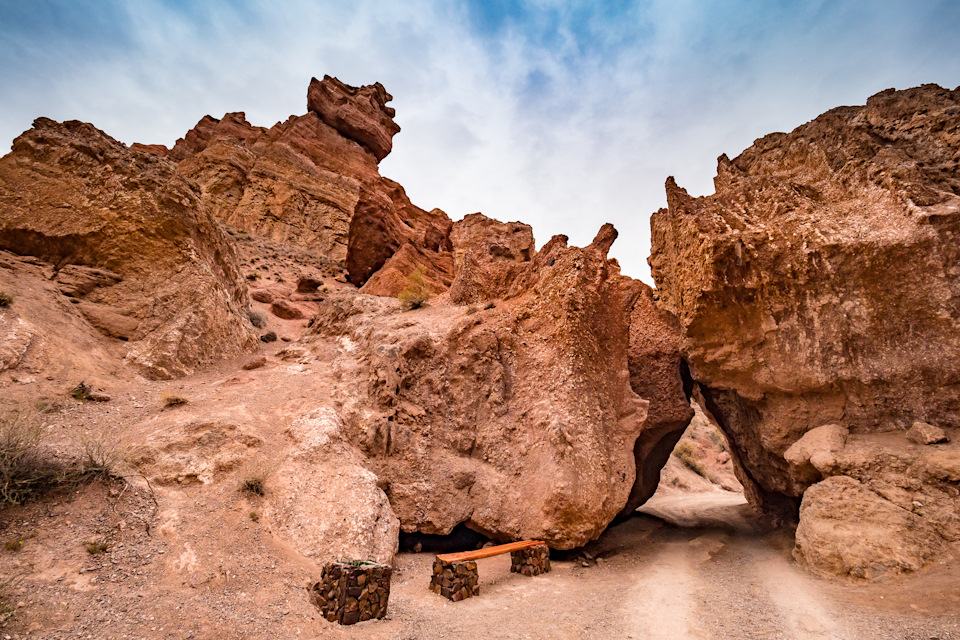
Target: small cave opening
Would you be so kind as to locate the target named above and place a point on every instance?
(460, 539)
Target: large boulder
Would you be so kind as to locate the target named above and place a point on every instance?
(326, 502)
(129, 241)
(312, 181)
(819, 286)
(516, 419)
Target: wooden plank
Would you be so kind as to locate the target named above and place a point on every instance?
(489, 551)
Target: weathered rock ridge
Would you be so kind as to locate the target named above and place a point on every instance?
(820, 285)
(128, 242)
(312, 181)
(360, 114)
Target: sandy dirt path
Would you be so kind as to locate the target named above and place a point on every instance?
(715, 578)
(678, 595)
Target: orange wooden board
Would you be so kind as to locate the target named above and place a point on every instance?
(489, 551)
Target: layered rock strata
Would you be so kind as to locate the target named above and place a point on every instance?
(130, 244)
(819, 286)
(312, 181)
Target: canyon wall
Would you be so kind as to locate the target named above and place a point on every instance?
(819, 286)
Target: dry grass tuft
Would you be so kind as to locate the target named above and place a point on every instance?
(171, 400)
(95, 547)
(417, 291)
(253, 485)
(254, 477)
(5, 299)
(100, 456)
(717, 437)
(28, 469)
(25, 468)
(81, 392)
(686, 452)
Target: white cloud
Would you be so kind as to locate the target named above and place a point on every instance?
(563, 130)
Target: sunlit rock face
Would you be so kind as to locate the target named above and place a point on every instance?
(130, 244)
(312, 181)
(515, 417)
(820, 285)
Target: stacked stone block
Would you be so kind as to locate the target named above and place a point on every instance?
(349, 593)
(455, 580)
(531, 561)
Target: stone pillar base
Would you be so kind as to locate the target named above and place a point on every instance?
(532, 561)
(455, 580)
(349, 593)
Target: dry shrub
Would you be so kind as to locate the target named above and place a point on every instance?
(5, 299)
(171, 400)
(257, 318)
(28, 469)
(417, 291)
(254, 476)
(100, 456)
(81, 392)
(716, 436)
(95, 547)
(25, 468)
(686, 452)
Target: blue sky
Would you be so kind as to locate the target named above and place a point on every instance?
(564, 115)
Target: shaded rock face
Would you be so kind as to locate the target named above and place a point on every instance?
(394, 276)
(819, 286)
(313, 181)
(659, 375)
(129, 242)
(517, 419)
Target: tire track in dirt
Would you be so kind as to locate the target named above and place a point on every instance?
(661, 604)
(722, 585)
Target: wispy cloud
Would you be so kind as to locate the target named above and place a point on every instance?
(562, 114)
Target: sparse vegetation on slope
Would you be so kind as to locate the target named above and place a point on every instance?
(686, 452)
(24, 468)
(173, 400)
(28, 469)
(417, 292)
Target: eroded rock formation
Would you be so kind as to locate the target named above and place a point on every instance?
(517, 418)
(657, 374)
(819, 286)
(312, 181)
(129, 242)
